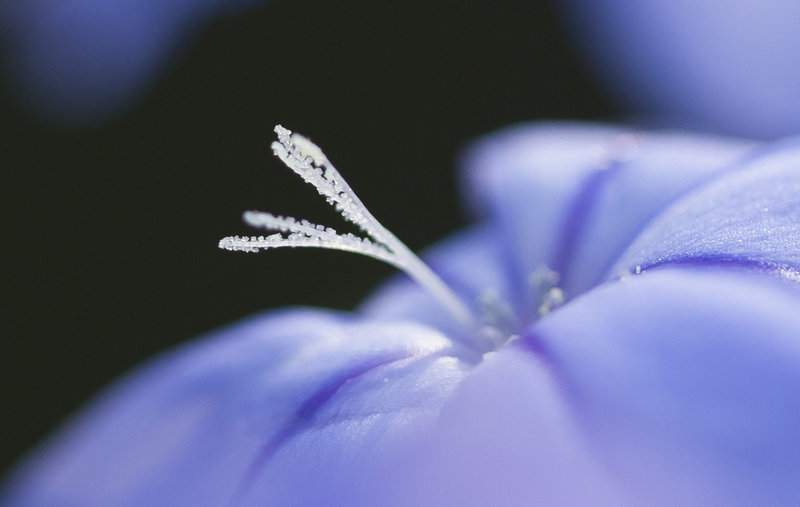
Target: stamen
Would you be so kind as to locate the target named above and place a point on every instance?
(545, 283)
(307, 160)
(554, 298)
(497, 313)
(544, 277)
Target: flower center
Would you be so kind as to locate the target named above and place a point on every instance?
(497, 322)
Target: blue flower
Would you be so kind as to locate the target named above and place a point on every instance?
(670, 375)
(723, 66)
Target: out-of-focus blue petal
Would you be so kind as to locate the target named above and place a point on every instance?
(726, 66)
(687, 383)
(81, 60)
(296, 407)
(506, 437)
(747, 218)
(572, 197)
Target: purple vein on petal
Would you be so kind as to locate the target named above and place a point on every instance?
(533, 343)
(783, 271)
(578, 214)
(303, 417)
(742, 164)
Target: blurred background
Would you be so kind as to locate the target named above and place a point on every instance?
(118, 179)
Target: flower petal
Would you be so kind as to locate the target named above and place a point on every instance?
(712, 64)
(749, 217)
(506, 437)
(572, 197)
(287, 408)
(687, 382)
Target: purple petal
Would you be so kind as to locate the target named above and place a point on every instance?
(748, 218)
(726, 66)
(686, 382)
(572, 197)
(272, 411)
(506, 437)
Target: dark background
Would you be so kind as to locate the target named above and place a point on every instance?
(109, 232)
